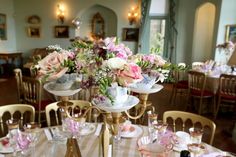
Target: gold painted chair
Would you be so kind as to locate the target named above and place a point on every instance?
(16, 111)
(194, 118)
(196, 89)
(227, 91)
(180, 85)
(79, 106)
(30, 91)
(18, 77)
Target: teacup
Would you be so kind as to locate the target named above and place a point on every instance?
(146, 83)
(182, 137)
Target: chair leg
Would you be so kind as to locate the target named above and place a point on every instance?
(217, 107)
(200, 107)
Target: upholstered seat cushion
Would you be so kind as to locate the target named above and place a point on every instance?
(44, 103)
(206, 93)
(182, 84)
(227, 96)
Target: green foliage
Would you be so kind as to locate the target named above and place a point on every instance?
(104, 83)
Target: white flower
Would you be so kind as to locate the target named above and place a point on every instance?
(116, 63)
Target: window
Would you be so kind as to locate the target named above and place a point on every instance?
(158, 21)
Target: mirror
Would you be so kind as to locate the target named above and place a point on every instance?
(97, 27)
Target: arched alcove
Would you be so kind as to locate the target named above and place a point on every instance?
(203, 32)
(109, 16)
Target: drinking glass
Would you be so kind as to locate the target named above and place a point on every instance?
(13, 127)
(152, 120)
(196, 135)
(23, 142)
(33, 131)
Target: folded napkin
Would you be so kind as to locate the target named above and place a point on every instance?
(98, 130)
(110, 151)
(48, 134)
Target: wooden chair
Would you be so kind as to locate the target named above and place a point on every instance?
(78, 105)
(18, 77)
(16, 111)
(227, 90)
(194, 118)
(180, 84)
(31, 89)
(196, 88)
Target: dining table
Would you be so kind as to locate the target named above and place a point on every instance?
(90, 145)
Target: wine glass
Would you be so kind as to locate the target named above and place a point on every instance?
(152, 120)
(22, 142)
(33, 131)
(13, 127)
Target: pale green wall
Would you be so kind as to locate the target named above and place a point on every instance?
(227, 17)
(185, 21)
(107, 14)
(9, 45)
(46, 9)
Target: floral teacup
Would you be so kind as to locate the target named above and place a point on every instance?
(147, 82)
(119, 94)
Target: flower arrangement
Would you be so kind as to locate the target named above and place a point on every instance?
(227, 46)
(117, 72)
(153, 65)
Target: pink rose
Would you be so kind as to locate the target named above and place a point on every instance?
(130, 74)
(51, 65)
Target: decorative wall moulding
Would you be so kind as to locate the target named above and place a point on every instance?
(34, 19)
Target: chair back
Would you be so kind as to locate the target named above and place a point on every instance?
(194, 118)
(18, 77)
(227, 85)
(78, 106)
(12, 109)
(32, 91)
(196, 81)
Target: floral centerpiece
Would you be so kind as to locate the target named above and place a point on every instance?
(60, 65)
(116, 74)
(154, 69)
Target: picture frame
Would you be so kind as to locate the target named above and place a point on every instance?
(230, 33)
(34, 19)
(130, 34)
(61, 31)
(34, 32)
(3, 26)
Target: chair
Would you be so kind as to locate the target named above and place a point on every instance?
(12, 109)
(196, 88)
(194, 118)
(31, 90)
(78, 105)
(18, 77)
(227, 90)
(180, 83)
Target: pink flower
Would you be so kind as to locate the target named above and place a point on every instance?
(149, 58)
(159, 61)
(122, 55)
(71, 55)
(130, 74)
(51, 65)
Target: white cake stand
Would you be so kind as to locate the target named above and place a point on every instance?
(62, 93)
(155, 88)
(106, 106)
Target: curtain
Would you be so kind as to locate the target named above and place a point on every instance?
(144, 24)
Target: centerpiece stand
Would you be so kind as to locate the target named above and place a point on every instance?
(64, 105)
(144, 104)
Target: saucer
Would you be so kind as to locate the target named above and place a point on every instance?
(107, 106)
(155, 88)
(75, 88)
(5, 147)
(87, 129)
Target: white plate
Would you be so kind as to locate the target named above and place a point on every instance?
(155, 88)
(130, 102)
(87, 129)
(5, 149)
(137, 132)
(73, 90)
